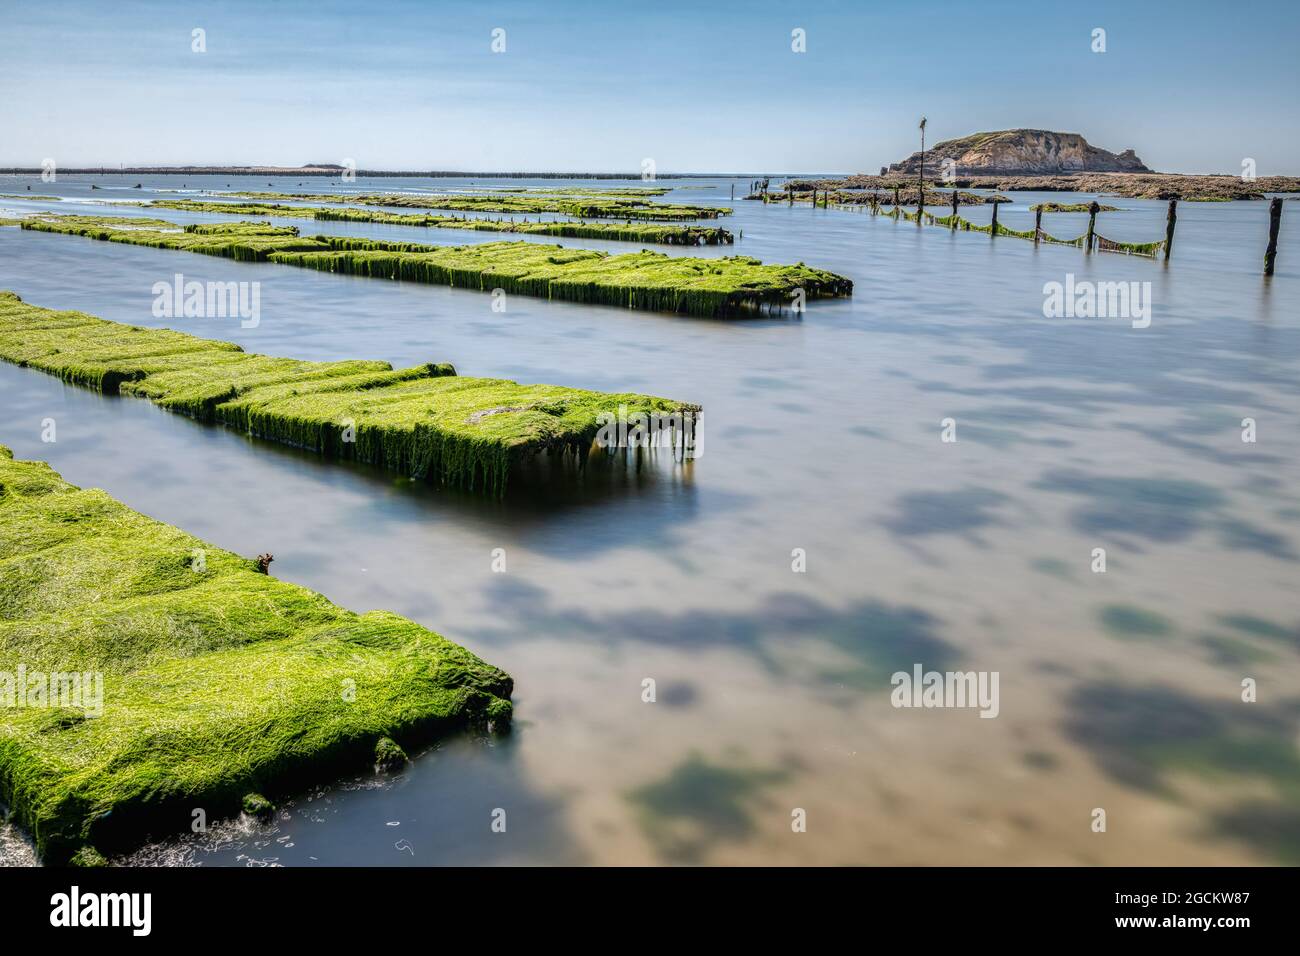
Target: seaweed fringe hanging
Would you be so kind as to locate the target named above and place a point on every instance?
(424, 422)
(728, 286)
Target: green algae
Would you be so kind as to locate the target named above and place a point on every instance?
(425, 422)
(619, 232)
(623, 232)
(908, 196)
(723, 287)
(389, 754)
(217, 680)
(88, 858)
(621, 192)
(953, 221)
(256, 805)
(1071, 207)
(579, 206)
(1147, 249)
(618, 192)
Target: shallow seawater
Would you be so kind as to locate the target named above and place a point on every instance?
(823, 432)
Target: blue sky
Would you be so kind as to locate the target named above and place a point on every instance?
(704, 86)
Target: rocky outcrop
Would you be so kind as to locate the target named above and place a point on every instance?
(1022, 152)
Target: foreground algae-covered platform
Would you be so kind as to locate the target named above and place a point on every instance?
(159, 675)
(423, 422)
(723, 287)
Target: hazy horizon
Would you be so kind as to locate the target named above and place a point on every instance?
(580, 87)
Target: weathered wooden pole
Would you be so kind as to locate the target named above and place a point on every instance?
(954, 209)
(1038, 223)
(1274, 224)
(789, 191)
(1093, 209)
(993, 229)
(895, 199)
(1170, 222)
(920, 186)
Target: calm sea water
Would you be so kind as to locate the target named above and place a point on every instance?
(1119, 691)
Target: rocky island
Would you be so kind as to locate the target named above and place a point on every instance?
(1038, 160)
(1021, 152)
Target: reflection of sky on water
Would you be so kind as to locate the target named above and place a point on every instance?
(1119, 690)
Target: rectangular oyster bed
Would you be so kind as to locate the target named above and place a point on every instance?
(217, 682)
(422, 422)
(724, 287)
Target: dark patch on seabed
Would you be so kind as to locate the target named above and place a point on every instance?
(1149, 736)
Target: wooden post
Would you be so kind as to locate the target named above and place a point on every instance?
(1170, 222)
(1274, 224)
(1038, 222)
(895, 199)
(1093, 209)
(993, 230)
(920, 186)
(954, 209)
(789, 192)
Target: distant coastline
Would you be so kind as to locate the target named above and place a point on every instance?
(1212, 187)
(372, 173)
